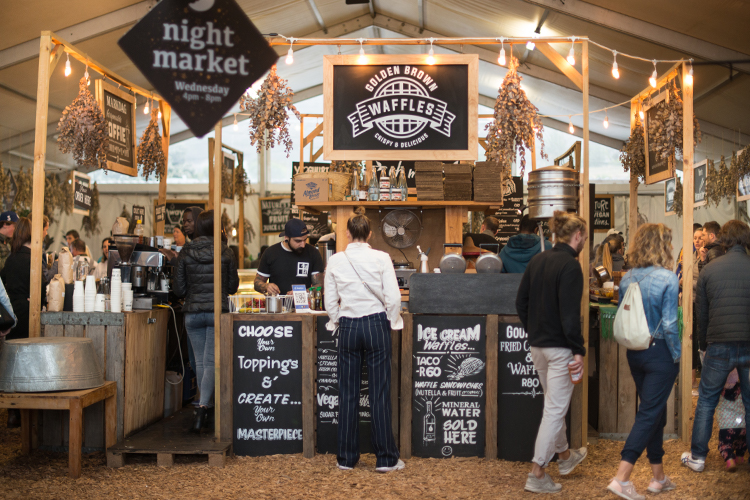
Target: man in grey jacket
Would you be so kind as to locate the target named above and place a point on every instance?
(723, 311)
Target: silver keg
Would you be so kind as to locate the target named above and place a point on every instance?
(551, 189)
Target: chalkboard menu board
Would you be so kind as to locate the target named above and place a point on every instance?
(118, 107)
(317, 224)
(388, 167)
(274, 212)
(173, 212)
(327, 398)
(449, 379)
(508, 214)
(603, 214)
(81, 193)
(267, 387)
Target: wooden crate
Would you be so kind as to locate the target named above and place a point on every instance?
(132, 353)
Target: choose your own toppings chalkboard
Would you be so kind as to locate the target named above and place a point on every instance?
(449, 379)
(267, 387)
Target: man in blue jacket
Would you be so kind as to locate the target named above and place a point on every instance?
(520, 248)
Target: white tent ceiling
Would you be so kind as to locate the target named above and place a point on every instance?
(669, 29)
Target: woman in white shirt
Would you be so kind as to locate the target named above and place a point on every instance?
(363, 301)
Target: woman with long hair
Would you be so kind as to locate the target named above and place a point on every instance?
(194, 280)
(363, 301)
(654, 369)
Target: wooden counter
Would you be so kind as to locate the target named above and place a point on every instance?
(131, 348)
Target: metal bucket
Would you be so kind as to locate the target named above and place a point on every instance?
(49, 364)
(551, 189)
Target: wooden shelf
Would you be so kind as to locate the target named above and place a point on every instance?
(476, 206)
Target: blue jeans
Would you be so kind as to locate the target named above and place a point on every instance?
(368, 337)
(654, 373)
(200, 330)
(721, 358)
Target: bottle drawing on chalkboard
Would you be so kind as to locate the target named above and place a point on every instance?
(429, 425)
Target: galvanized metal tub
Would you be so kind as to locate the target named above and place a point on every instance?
(551, 189)
(49, 364)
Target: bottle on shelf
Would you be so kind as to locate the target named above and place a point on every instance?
(138, 231)
(395, 191)
(355, 185)
(402, 185)
(374, 189)
(363, 188)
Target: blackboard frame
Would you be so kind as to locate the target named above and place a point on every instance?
(611, 199)
(100, 88)
(472, 109)
(260, 212)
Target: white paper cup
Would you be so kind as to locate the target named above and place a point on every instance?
(127, 302)
(116, 274)
(99, 303)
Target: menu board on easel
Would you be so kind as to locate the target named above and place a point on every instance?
(118, 107)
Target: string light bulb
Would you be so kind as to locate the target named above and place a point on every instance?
(501, 58)
(236, 126)
(146, 108)
(654, 76)
(290, 54)
(606, 119)
(362, 59)
(571, 128)
(67, 66)
(640, 110)
(234, 232)
(571, 53)
(431, 54)
(689, 77)
(86, 76)
(615, 71)
(530, 45)
(159, 114)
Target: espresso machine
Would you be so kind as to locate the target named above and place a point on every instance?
(143, 266)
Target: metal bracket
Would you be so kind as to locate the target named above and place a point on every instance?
(151, 320)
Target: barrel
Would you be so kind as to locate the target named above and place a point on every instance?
(551, 189)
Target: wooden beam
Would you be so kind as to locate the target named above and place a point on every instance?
(312, 135)
(218, 161)
(660, 82)
(54, 57)
(166, 124)
(317, 154)
(37, 200)
(686, 361)
(561, 63)
(241, 218)
(280, 40)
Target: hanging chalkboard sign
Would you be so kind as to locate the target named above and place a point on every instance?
(389, 167)
(81, 193)
(159, 211)
(327, 398)
(317, 224)
(398, 107)
(118, 107)
(267, 387)
(139, 214)
(174, 210)
(200, 56)
(449, 379)
(604, 213)
(508, 215)
(274, 212)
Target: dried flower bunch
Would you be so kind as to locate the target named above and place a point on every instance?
(226, 222)
(345, 166)
(678, 197)
(5, 184)
(665, 132)
(150, 153)
(68, 193)
(226, 184)
(516, 123)
(632, 154)
(24, 194)
(714, 192)
(91, 223)
(269, 121)
(240, 182)
(742, 163)
(249, 230)
(83, 130)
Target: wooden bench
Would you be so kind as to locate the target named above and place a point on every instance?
(74, 402)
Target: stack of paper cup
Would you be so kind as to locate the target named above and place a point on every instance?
(90, 293)
(127, 300)
(115, 292)
(79, 297)
(99, 302)
(126, 287)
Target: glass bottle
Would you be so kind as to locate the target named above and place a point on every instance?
(138, 231)
(395, 191)
(429, 425)
(374, 188)
(402, 185)
(355, 185)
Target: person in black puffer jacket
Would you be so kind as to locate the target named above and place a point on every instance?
(194, 280)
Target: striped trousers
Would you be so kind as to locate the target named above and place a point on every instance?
(369, 336)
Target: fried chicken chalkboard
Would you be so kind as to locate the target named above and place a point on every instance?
(449, 379)
(327, 398)
(267, 387)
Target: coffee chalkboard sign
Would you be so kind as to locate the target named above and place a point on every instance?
(327, 397)
(118, 107)
(449, 379)
(267, 387)
(274, 212)
(603, 215)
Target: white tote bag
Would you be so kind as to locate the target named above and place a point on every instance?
(631, 326)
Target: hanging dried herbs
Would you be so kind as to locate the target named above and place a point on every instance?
(24, 195)
(68, 193)
(345, 166)
(713, 184)
(53, 193)
(150, 153)
(632, 154)
(5, 183)
(269, 120)
(665, 132)
(226, 184)
(91, 223)
(83, 130)
(226, 222)
(249, 230)
(743, 163)
(677, 207)
(516, 123)
(240, 182)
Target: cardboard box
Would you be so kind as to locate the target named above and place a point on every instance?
(311, 190)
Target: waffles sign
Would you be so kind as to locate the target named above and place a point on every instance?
(398, 107)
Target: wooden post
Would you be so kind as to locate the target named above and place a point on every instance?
(490, 445)
(216, 194)
(212, 158)
(584, 256)
(241, 217)
(686, 361)
(633, 214)
(454, 223)
(37, 201)
(406, 389)
(166, 123)
(341, 216)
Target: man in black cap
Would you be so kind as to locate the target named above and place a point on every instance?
(290, 262)
(7, 226)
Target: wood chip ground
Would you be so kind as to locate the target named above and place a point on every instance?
(43, 475)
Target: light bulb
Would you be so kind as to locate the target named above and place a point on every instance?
(431, 57)
(640, 114)
(615, 71)
(290, 56)
(501, 58)
(530, 45)
(606, 121)
(689, 77)
(654, 76)
(571, 128)
(159, 115)
(362, 59)
(67, 66)
(234, 232)
(145, 109)
(572, 57)
(236, 126)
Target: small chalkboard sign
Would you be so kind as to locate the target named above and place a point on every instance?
(603, 214)
(139, 214)
(267, 387)
(449, 378)
(118, 107)
(159, 211)
(327, 398)
(274, 212)
(173, 212)
(81, 193)
(508, 215)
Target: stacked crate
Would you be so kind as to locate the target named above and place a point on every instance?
(488, 181)
(429, 180)
(457, 182)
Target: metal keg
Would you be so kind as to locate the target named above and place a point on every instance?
(551, 189)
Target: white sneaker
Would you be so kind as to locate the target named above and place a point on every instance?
(695, 464)
(543, 485)
(565, 467)
(624, 490)
(343, 467)
(399, 466)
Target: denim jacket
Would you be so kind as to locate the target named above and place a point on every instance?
(660, 290)
(5, 301)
